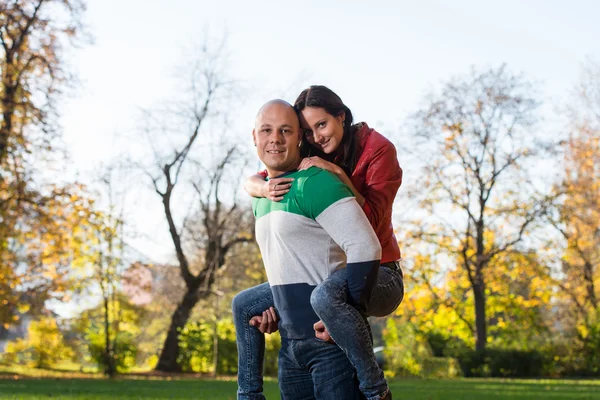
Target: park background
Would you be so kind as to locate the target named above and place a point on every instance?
(125, 137)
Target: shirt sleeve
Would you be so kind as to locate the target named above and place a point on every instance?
(382, 181)
(333, 207)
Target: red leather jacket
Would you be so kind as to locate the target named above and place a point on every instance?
(378, 176)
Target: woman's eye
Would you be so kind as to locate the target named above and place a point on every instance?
(322, 124)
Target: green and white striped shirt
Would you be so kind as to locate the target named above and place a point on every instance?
(315, 230)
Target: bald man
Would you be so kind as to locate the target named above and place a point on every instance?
(315, 230)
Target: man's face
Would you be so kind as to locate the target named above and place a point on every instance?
(277, 136)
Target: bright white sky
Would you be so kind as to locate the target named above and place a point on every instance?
(379, 56)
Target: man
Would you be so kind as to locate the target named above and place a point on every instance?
(315, 230)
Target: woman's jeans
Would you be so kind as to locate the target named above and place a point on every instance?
(347, 327)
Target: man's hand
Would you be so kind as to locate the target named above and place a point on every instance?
(267, 322)
(321, 332)
(275, 189)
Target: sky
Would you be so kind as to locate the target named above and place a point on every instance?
(381, 57)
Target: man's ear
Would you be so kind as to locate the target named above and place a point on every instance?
(254, 136)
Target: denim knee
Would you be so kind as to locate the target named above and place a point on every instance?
(241, 304)
(251, 302)
(324, 296)
(318, 298)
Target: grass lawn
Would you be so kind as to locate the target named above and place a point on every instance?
(224, 389)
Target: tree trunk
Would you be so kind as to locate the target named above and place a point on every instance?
(108, 354)
(216, 333)
(588, 274)
(480, 317)
(8, 110)
(170, 351)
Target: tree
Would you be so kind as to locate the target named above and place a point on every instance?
(47, 249)
(102, 263)
(88, 334)
(43, 348)
(34, 37)
(108, 228)
(475, 191)
(578, 208)
(519, 303)
(222, 227)
(214, 226)
(575, 218)
(33, 34)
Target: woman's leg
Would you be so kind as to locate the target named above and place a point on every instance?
(350, 329)
(388, 293)
(250, 341)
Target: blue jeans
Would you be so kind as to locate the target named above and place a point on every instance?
(346, 325)
(311, 369)
(350, 329)
(250, 341)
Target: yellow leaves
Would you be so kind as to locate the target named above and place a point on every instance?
(245, 235)
(583, 330)
(44, 342)
(580, 210)
(56, 238)
(23, 308)
(50, 271)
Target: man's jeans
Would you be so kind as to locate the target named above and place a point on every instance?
(345, 324)
(314, 369)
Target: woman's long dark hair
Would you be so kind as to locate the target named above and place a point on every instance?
(323, 97)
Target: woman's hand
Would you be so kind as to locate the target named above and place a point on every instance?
(274, 189)
(320, 163)
(321, 332)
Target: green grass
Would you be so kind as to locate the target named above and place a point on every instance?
(224, 389)
(62, 371)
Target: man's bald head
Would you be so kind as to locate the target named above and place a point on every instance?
(278, 106)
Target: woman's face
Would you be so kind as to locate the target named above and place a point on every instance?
(322, 130)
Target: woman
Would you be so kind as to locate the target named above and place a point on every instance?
(366, 162)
